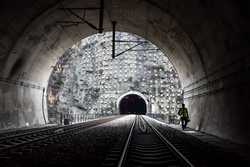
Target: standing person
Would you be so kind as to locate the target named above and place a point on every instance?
(183, 113)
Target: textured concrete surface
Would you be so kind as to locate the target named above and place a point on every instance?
(207, 41)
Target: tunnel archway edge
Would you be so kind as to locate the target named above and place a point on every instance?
(118, 101)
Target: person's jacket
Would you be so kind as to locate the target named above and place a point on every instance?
(183, 113)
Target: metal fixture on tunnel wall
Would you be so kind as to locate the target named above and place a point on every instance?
(80, 15)
(135, 43)
(90, 81)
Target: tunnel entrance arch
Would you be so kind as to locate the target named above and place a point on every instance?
(83, 73)
(132, 103)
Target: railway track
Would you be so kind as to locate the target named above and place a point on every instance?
(23, 142)
(127, 141)
(146, 146)
(12, 132)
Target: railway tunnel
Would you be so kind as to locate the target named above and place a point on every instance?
(207, 43)
(132, 104)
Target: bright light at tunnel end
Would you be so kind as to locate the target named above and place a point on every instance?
(87, 83)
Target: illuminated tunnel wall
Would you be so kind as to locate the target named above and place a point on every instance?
(86, 81)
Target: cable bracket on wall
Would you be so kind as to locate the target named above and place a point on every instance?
(131, 48)
(81, 18)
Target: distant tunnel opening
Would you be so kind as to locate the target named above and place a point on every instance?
(133, 104)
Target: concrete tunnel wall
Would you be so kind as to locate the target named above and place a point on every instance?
(207, 42)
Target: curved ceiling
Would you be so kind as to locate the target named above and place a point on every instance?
(45, 39)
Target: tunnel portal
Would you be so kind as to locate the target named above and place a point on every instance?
(133, 104)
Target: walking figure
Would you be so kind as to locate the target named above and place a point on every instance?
(183, 113)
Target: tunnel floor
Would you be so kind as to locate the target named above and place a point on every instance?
(102, 143)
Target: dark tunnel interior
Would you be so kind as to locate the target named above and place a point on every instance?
(133, 104)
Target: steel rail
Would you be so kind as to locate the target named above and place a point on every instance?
(125, 148)
(74, 129)
(10, 135)
(29, 132)
(184, 160)
(43, 137)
